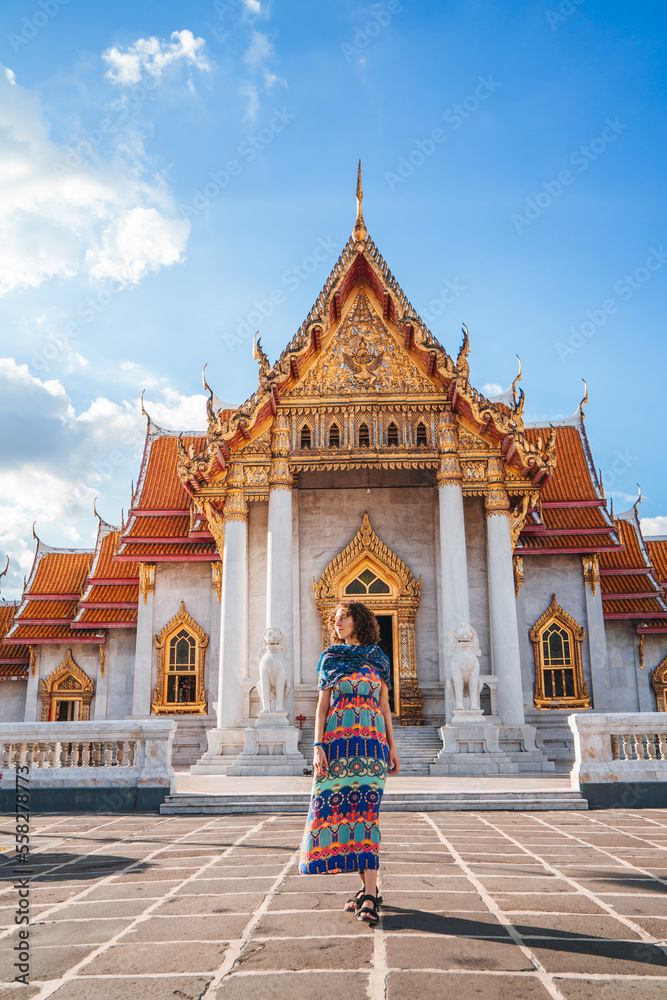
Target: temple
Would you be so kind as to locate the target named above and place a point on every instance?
(364, 465)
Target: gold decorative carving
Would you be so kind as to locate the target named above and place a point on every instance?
(216, 579)
(280, 476)
(518, 517)
(591, 565)
(496, 501)
(160, 706)
(102, 660)
(641, 652)
(572, 641)
(518, 574)
(33, 661)
(468, 442)
(659, 685)
(216, 525)
(474, 471)
(71, 680)
(449, 471)
(281, 444)
(367, 551)
(146, 580)
(236, 505)
(447, 432)
(378, 364)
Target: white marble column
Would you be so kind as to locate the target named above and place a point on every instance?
(505, 659)
(453, 555)
(234, 614)
(279, 572)
(143, 680)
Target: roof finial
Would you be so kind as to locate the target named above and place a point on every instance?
(584, 401)
(4, 572)
(143, 408)
(639, 499)
(33, 531)
(516, 380)
(359, 232)
(95, 510)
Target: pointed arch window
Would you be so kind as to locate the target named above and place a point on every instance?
(422, 437)
(392, 435)
(364, 436)
(181, 686)
(559, 675)
(367, 582)
(334, 436)
(305, 437)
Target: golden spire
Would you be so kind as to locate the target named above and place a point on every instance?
(359, 232)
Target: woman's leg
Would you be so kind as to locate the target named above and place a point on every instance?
(370, 884)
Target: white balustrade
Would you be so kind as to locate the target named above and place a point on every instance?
(619, 747)
(102, 754)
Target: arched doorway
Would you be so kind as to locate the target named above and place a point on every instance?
(66, 693)
(368, 571)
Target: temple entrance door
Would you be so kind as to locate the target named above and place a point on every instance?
(387, 623)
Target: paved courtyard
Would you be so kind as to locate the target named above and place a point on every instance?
(500, 906)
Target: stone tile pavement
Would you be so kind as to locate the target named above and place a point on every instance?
(500, 906)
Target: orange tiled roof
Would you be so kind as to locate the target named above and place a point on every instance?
(51, 633)
(643, 582)
(159, 552)
(159, 527)
(110, 595)
(53, 610)
(159, 487)
(546, 542)
(59, 571)
(657, 551)
(100, 616)
(13, 657)
(572, 478)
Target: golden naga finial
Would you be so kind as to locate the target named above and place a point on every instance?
(584, 401)
(639, 498)
(4, 572)
(462, 360)
(143, 409)
(611, 510)
(359, 232)
(33, 531)
(601, 483)
(95, 509)
(516, 380)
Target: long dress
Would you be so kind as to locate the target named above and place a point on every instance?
(342, 832)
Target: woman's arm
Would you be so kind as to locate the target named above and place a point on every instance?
(394, 762)
(319, 756)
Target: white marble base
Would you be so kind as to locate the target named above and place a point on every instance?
(471, 745)
(224, 746)
(270, 747)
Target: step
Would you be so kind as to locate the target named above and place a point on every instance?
(194, 804)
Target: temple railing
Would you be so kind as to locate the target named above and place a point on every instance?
(66, 754)
(619, 747)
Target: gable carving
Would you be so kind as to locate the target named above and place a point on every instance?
(362, 358)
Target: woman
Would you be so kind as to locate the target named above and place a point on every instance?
(354, 750)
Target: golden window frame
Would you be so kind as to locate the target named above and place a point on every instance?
(68, 682)
(581, 698)
(160, 705)
(659, 685)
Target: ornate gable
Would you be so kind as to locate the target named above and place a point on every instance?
(363, 358)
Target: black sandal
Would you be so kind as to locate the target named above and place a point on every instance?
(369, 915)
(357, 900)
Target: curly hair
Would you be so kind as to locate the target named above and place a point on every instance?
(366, 628)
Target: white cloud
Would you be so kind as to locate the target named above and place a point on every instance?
(259, 50)
(654, 525)
(56, 460)
(138, 242)
(492, 389)
(10, 76)
(62, 214)
(252, 6)
(155, 56)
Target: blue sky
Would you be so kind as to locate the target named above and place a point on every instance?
(168, 170)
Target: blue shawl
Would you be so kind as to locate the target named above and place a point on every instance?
(340, 660)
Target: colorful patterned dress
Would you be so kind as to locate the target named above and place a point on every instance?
(342, 832)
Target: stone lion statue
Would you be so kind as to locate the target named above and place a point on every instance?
(464, 652)
(272, 673)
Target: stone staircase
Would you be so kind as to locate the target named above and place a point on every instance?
(497, 800)
(417, 746)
